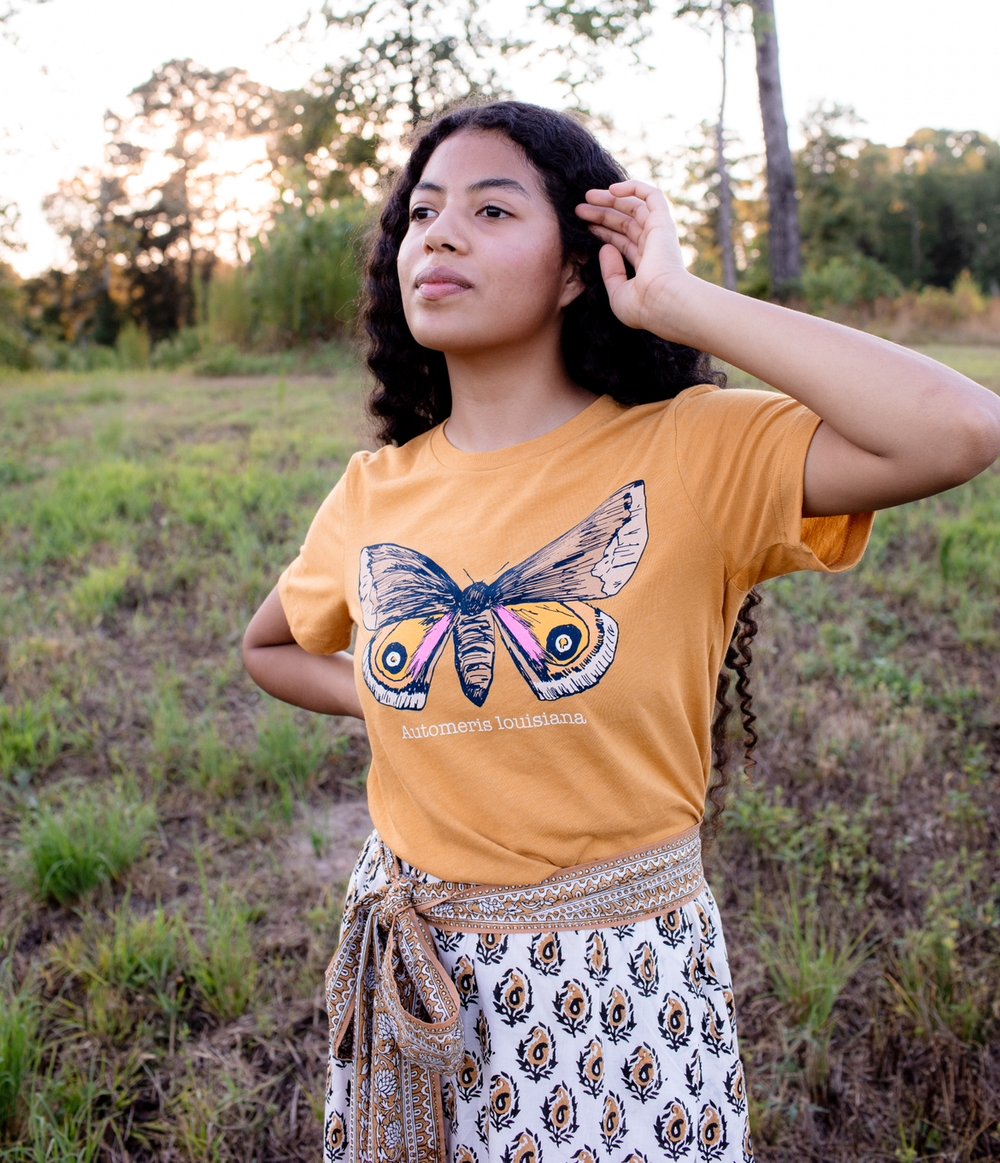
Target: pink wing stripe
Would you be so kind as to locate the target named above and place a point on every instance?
(521, 634)
(430, 644)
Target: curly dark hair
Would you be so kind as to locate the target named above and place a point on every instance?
(412, 393)
(737, 661)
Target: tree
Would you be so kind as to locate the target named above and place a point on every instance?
(9, 11)
(94, 296)
(835, 216)
(944, 216)
(9, 213)
(15, 350)
(784, 245)
(618, 18)
(149, 224)
(188, 116)
(700, 205)
(403, 62)
(615, 23)
(9, 216)
(720, 12)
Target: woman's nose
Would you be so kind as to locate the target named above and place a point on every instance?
(444, 233)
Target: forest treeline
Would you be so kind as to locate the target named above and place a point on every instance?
(229, 213)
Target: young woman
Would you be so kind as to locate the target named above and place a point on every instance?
(544, 565)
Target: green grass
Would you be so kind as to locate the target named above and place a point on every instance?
(171, 1006)
(31, 738)
(291, 750)
(810, 960)
(20, 1049)
(222, 958)
(88, 840)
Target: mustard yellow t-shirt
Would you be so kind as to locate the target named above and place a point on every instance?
(539, 629)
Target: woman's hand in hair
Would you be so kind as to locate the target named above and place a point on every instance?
(634, 221)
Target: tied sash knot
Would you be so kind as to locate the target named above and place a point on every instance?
(395, 1011)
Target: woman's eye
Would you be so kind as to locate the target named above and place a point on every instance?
(494, 212)
(420, 213)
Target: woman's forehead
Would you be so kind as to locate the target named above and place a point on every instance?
(479, 158)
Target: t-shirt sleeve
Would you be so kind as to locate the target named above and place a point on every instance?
(312, 589)
(741, 455)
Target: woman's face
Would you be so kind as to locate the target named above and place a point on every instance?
(481, 267)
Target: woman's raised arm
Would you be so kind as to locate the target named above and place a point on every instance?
(897, 425)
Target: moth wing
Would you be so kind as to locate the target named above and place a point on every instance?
(593, 560)
(561, 648)
(410, 604)
(399, 660)
(397, 583)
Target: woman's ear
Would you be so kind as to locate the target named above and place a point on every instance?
(573, 284)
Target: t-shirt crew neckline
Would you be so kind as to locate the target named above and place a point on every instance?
(603, 408)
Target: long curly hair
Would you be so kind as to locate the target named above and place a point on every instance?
(737, 661)
(412, 393)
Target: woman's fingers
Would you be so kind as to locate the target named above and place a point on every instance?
(612, 268)
(614, 227)
(627, 210)
(621, 243)
(636, 198)
(634, 222)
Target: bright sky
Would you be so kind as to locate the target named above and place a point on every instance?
(898, 62)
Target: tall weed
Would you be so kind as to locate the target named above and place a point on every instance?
(31, 738)
(90, 840)
(290, 754)
(133, 970)
(222, 960)
(20, 1048)
(809, 962)
(75, 1111)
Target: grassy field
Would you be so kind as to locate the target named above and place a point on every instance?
(173, 845)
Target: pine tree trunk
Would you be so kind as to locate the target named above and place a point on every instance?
(725, 186)
(783, 211)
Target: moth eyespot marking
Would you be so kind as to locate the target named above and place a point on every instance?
(394, 657)
(563, 641)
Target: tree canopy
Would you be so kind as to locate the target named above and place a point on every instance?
(209, 170)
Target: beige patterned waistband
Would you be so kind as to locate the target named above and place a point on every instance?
(589, 896)
(395, 1011)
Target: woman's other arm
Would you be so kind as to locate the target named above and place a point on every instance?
(275, 661)
(897, 425)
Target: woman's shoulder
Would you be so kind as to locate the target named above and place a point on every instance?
(388, 460)
(706, 406)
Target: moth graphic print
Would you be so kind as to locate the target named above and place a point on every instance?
(543, 609)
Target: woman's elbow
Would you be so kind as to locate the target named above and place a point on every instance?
(976, 443)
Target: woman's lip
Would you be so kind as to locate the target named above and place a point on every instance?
(434, 282)
(440, 288)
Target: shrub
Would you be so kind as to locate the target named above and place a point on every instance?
(133, 346)
(15, 350)
(848, 282)
(177, 351)
(304, 274)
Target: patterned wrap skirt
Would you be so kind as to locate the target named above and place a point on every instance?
(589, 1018)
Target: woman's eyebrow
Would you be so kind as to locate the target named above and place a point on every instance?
(478, 187)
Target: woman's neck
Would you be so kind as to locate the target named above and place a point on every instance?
(495, 407)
